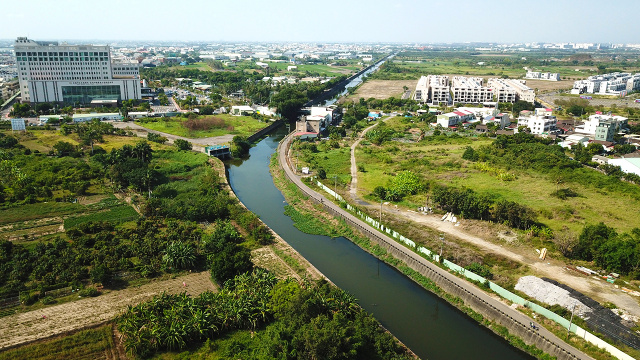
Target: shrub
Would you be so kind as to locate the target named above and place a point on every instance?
(48, 300)
(480, 269)
(156, 138)
(563, 194)
(183, 144)
(89, 292)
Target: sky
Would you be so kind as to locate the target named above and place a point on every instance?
(399, 21)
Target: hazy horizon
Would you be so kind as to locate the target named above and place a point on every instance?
(372, 21)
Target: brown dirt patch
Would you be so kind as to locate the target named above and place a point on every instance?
(383, 89)
(548, 86)
(58, 319)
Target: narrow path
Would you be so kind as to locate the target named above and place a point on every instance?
(354, 167)
(198, 143)
(518, 321)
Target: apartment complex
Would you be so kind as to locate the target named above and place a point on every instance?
(74, 74)
(522, 91)
(436, 90)
(470, 90)
(537, 75)
(433, 89)
(614, 84)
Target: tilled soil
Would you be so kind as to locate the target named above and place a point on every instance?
(58, 319)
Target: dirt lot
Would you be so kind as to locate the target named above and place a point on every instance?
(383, 89)
(548, 86)
(42, 323)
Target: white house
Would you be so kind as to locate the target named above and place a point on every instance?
(448, 119)
(241, 110)
(542, 122)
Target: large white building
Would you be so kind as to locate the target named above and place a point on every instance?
(613, 84)
(602, 127)
(469, 90)
(522, 91)
(433, 89)
(74, 74)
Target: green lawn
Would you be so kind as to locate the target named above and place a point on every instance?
(234, 125)
(43, 140)
(322, 70)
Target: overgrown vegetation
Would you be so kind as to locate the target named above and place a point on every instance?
(288, 320)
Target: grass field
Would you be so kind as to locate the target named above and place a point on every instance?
(43, 140)
(443, 163)
(87, 344)
(234, 125)
(38, 211)
(116, 214)
(322, 70)
(440, 161)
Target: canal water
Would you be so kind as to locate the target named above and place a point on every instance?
(428, 325)
(355, 82)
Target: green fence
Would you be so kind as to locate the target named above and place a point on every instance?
(506, 294)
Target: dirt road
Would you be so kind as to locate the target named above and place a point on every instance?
(42, 323)
(198, 143)
(553, 269)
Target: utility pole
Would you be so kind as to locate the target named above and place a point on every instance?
(335, 186)
(441, 245)
(571, 321)
(380, 213)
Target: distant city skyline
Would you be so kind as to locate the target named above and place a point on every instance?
(401, 21)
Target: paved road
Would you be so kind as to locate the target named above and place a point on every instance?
(422, 265)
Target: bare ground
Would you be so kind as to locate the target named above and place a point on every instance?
(554, 269)
(383, 89)
(58, 319)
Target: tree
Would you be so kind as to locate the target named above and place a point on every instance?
(182, 144)
(520, 105)
(179, 255)
(63, 148)
(232, 260)
(591, 237)
(565, 241)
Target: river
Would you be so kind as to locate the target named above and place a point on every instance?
(428, 325)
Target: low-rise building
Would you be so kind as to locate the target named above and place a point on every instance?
(536, 75)
(448, 119)
(241, 110)
(590, 126)
(542, 122)
(312, 125)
